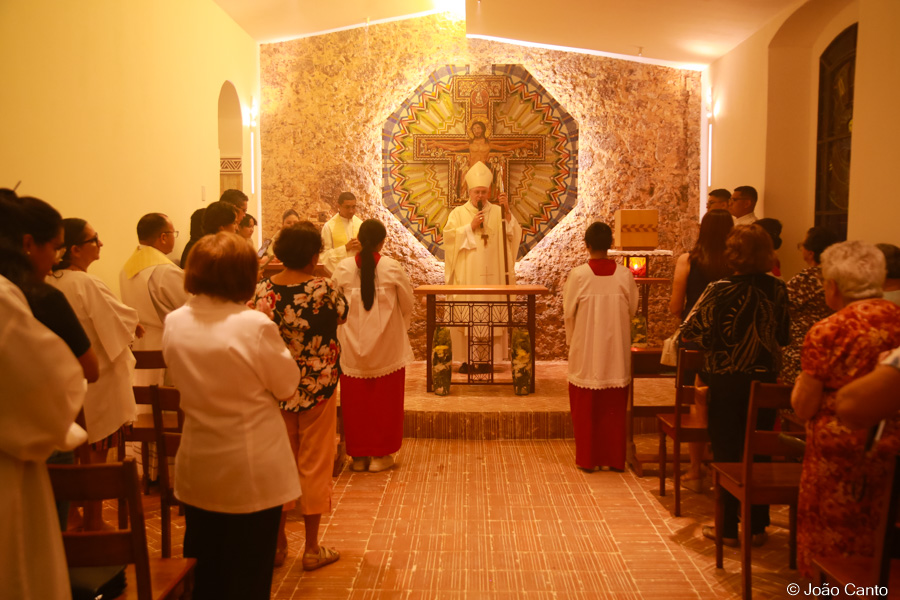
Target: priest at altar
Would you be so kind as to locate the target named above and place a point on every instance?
(339, 233)
(477, 253)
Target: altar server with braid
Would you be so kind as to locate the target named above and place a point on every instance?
(599, 300)
(375, 350)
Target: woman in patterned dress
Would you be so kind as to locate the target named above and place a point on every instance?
(807, 298)
(843, 485)
(741, 322)
(308, 310)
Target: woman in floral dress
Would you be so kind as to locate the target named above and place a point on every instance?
(308, 310)
(806, 297)
(844, 480)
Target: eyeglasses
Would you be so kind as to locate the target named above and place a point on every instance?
(799, 245)
(93, 240)
(174, 234)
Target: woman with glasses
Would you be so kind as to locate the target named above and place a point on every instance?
(111, 327)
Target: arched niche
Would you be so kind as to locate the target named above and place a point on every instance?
(792, 114)
(231, 140)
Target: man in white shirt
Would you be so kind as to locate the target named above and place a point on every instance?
(474, 251)
(150, 282)
(339, 233)
(238, 199)
(742, 205)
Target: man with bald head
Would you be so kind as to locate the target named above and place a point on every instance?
(474, 249)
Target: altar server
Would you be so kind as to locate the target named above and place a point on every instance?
(476, 253)
(112, 327)
(375, 350)
(599, 300)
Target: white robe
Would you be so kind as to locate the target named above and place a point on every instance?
(42, 388)
(110, 326)
(598, 313)
(374, 343)
(153, 292)
(469, 261)
(331, 257)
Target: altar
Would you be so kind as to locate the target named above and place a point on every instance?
(479, 317)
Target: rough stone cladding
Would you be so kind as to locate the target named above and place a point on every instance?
(325, 100)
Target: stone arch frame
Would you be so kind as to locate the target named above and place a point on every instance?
(231, 139)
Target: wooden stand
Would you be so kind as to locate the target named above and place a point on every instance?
(482, 313)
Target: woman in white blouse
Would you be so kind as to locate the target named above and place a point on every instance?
(234, 468)
(375, 350)
(111, 326)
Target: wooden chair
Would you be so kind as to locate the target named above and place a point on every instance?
(142, 430)
(148, 579)
(880, 570)
(644, 365)
(754, 482)
(683, 428)
(166, 402)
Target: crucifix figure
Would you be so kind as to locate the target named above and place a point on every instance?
(477, 94)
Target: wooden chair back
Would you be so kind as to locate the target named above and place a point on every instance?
(761, 442)
(168, 439)
(74, 483)
(149, 359)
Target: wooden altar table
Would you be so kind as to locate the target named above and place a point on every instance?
(478, 314)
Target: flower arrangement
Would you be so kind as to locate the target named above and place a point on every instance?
(520, 358)
(441, 361)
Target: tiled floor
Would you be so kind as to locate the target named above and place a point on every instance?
(466, 519)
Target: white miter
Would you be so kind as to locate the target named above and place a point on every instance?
(479, 176)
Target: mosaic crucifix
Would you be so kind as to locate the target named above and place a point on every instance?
(478, 94)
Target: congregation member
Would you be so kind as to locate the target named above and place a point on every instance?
(149, 282)
(845, 475)
(476, 252)
(290, 218)
(867, 400)
(196, 234)
(892, 280)
(773, 228)
(307, 310)
(694, 271)
(742, 205)
(741, 322)
(375, 350)
(220, 216)
(718, 200)
(806, 297)
(42, 386)
(237, 199)
(246, 228)
(234, 468)
(339, 235)
(599, 299)
(111, 327)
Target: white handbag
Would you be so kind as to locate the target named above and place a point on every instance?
(669, 355)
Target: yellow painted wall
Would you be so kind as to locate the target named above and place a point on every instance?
(874, 207)
(765, 129)
(109, 109)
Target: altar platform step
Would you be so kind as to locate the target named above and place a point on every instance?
(494, 412)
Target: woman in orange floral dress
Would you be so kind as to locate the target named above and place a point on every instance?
(844, 480)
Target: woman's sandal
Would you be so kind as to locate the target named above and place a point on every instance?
(326, 556)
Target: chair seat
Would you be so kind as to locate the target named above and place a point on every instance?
(167, 579)
(693, 429)
(856, 570)
(143, 431)
(773, 483)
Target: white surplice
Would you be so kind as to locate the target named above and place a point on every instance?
(374, 342)
(42, 388)
(598, 313)
(470, 258)
(110, 325)
(336, 232)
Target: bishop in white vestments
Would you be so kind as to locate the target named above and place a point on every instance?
(474, 249)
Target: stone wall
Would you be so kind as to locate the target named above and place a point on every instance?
(325, 100)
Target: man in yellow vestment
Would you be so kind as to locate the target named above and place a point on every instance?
(339, 233)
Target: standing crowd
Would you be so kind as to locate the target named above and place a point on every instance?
(258, 361)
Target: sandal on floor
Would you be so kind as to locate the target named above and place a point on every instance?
(326, 556)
